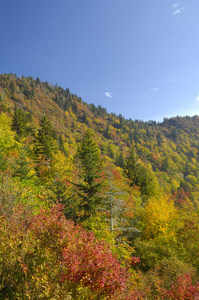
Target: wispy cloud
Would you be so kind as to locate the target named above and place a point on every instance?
(197, 99)
(177, 8)
(109, 95)
(175, 5)
(155, 89)
(178, 11)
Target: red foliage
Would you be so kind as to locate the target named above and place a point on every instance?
(84, 260)
(135, 260)
(181, 289)
(181, 197)
(92, 263)
(189, 232)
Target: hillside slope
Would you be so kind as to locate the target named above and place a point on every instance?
(170, 148)
(93, 205)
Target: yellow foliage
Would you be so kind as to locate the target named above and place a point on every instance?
(174, 184)
(96, 121)
(159, 217)
(72, 114)
(7, 136)
(142, 132)
(67, 114)
(62, 165)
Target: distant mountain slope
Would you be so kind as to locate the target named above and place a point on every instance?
(170, 148)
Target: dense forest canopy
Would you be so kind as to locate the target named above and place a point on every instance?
(101, 207)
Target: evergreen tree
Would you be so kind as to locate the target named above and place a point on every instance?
(54, 134)
(140, 176)
(132, 166)
(58, 187)
(33, 89)
(165, 164)
(120, 161)
(159, 139)
(43, 150)
(27, 92)
(22, 168)
(148, 184)
(122, 121)
(19, 122)
(84, 117)
(43, 141)
(12, 88)
(107, 132)
(38, 81)
(90, 177)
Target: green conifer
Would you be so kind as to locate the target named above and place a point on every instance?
(22, 168)
(43, 141)
(19, 122)
(140, 175)
(90, 177)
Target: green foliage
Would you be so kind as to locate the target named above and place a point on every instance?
(12, 88)
(140, 175)
(3, 161)
(33, 91)
(118, 200)
(19, 122)
(22, 167)
(61, 194)
(43, 151)
(9, 195)
(90, 181)
(43, 140)
(120, 161)
(62, 147)
(131, 168)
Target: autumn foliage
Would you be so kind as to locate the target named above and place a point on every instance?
(47, 255)
(94, 206)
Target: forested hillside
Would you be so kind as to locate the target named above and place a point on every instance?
(92, 205)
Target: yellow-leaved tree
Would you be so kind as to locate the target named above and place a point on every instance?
(7, 136)
(159, 218)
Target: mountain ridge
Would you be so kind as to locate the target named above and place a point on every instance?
(166, 147)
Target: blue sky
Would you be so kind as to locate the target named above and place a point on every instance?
(139, 58)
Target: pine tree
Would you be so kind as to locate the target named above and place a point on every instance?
(33, 89)
(43, 141)
(120, 161)
(58, 187)
(19, 122)
(12, 88)
(140, 175)
(43, 150)
(22, 168)
(132, 166)
(90, 176)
